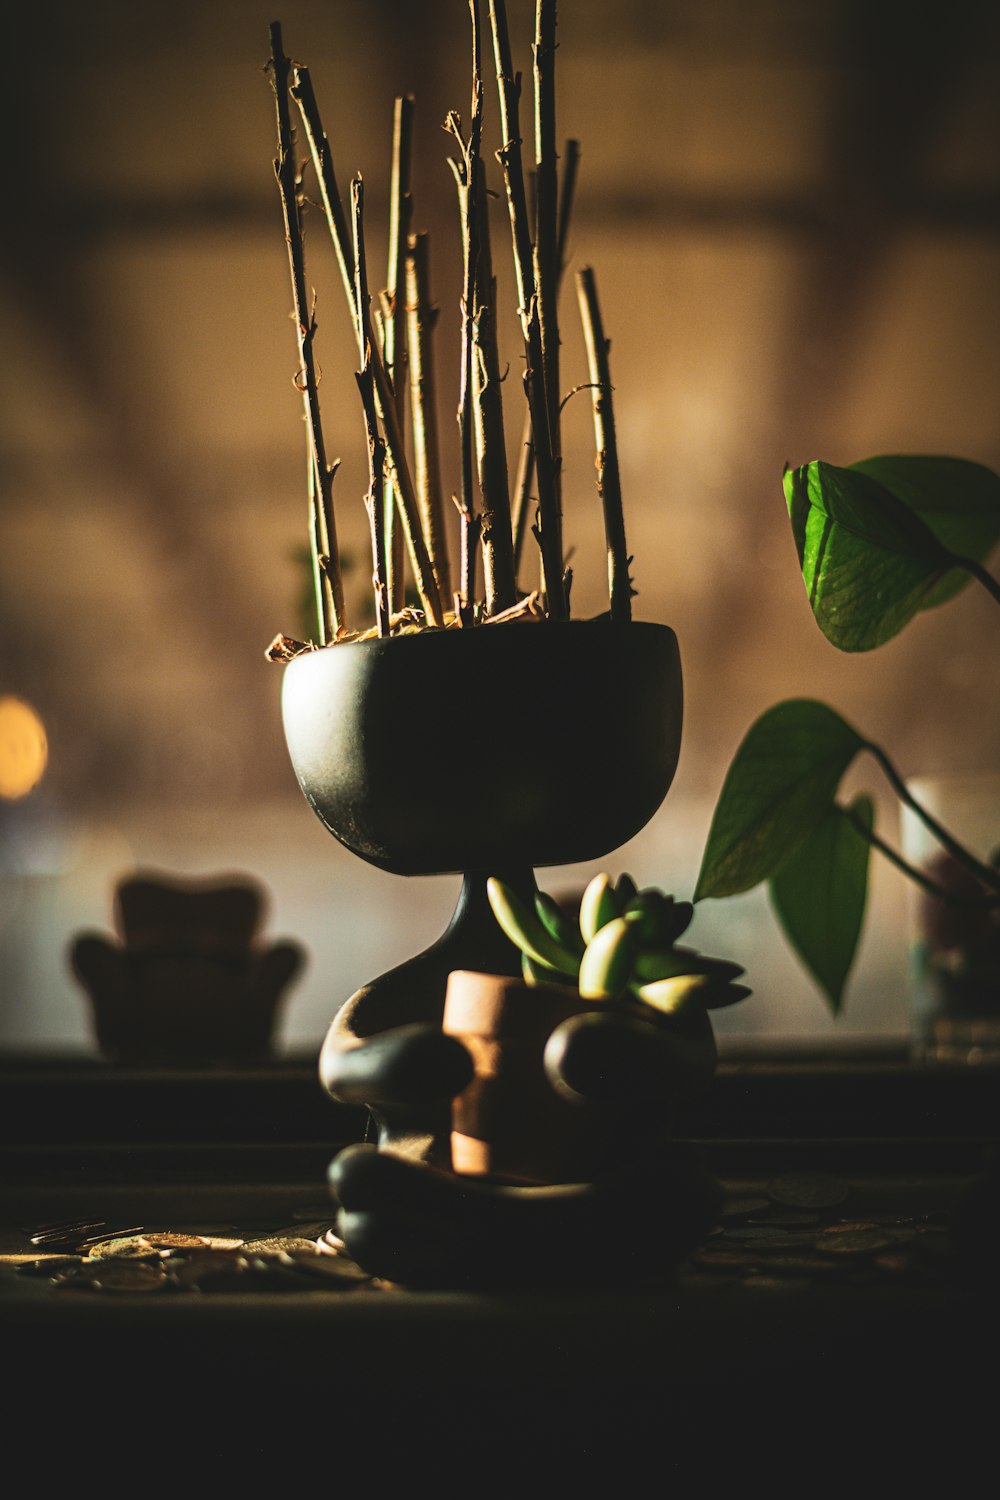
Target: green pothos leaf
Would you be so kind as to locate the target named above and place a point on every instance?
(869, 563)
(819, 896)
(959, 501)
(779, 787)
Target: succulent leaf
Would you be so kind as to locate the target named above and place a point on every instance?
(598, 906)
(557, 923)
(606, 966)
(524, 929)
(533, 973)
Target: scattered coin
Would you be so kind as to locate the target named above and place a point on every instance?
(807, 1190)
(172, 1240)
(742, 1208)
(854, 1242)
(124, 1247)
(338, 1269)
(116, 1275)
(786, 1220)
(87, 1245)
(278, 1244)
(65, 1236)
(329, 1243)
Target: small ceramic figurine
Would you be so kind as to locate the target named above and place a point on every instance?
(186, 980)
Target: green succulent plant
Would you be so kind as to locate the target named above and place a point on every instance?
(624, 946)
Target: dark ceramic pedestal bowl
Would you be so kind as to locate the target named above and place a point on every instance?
(497, 748)
(485, 752)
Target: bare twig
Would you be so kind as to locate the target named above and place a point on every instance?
(319, 149)
(526, 461)
(394, 343)
(549, 526)
(323, 534)
(546, 249)
(376, 445)
(608, 475)
(422, 317)
(384, 402)
(496, 537)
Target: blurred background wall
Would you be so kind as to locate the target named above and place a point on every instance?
(793, 211)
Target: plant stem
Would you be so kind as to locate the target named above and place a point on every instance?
(395, 344)
(919, 877)
(980, 574)
(608, 473)
(422, 316)
(496, 537)
(323, 532)
(385, 408)
(549, 529)
(321, 580)
(526, 460)
(984, 873)
(545, 258)
(376, 445)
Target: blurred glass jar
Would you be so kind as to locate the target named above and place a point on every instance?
(954, 950)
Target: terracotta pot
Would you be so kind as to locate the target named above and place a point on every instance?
(510, 1123)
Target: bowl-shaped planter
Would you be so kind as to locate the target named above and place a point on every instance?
(503, 747)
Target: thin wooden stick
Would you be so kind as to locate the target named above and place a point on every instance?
(549, 528)
(526, 460)
(376, 445)
(384, 401)
(608, 474)
(496, 536)
(422, 317)
(394, 345)
(323, 533)
(546, 248)
(319, 559)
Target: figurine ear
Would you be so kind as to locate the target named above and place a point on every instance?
(277, 966)
(96, 963)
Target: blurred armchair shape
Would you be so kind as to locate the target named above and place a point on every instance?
(186, 979)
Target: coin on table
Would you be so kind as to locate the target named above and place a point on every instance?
(741, 1208)
(338, 1269)
(115, 1275)
(807, 1190)
(127, 1247)
(281, 1244)
(67, 1236)
(853, 1242)
(330, 1243)
(191, 1270)
(791, 1219)
(173, 1240)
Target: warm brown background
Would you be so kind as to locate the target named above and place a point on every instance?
(793, 210)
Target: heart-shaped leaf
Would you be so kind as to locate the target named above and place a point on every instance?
(869, 563)
(959, 501)
(819, 896)
(778, 789)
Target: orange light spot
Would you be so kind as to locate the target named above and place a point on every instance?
(24, 749)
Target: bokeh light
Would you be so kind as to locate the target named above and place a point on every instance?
(24, 749)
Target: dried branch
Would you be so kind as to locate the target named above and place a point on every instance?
(546, 249)
(376, 445)
(394, 342)
(496, 537)
(549, 527)
(464, 169)
(332, 616)
(608, 474)
(322, 156)
(422, 317)
(526, 462)
(399, 470)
